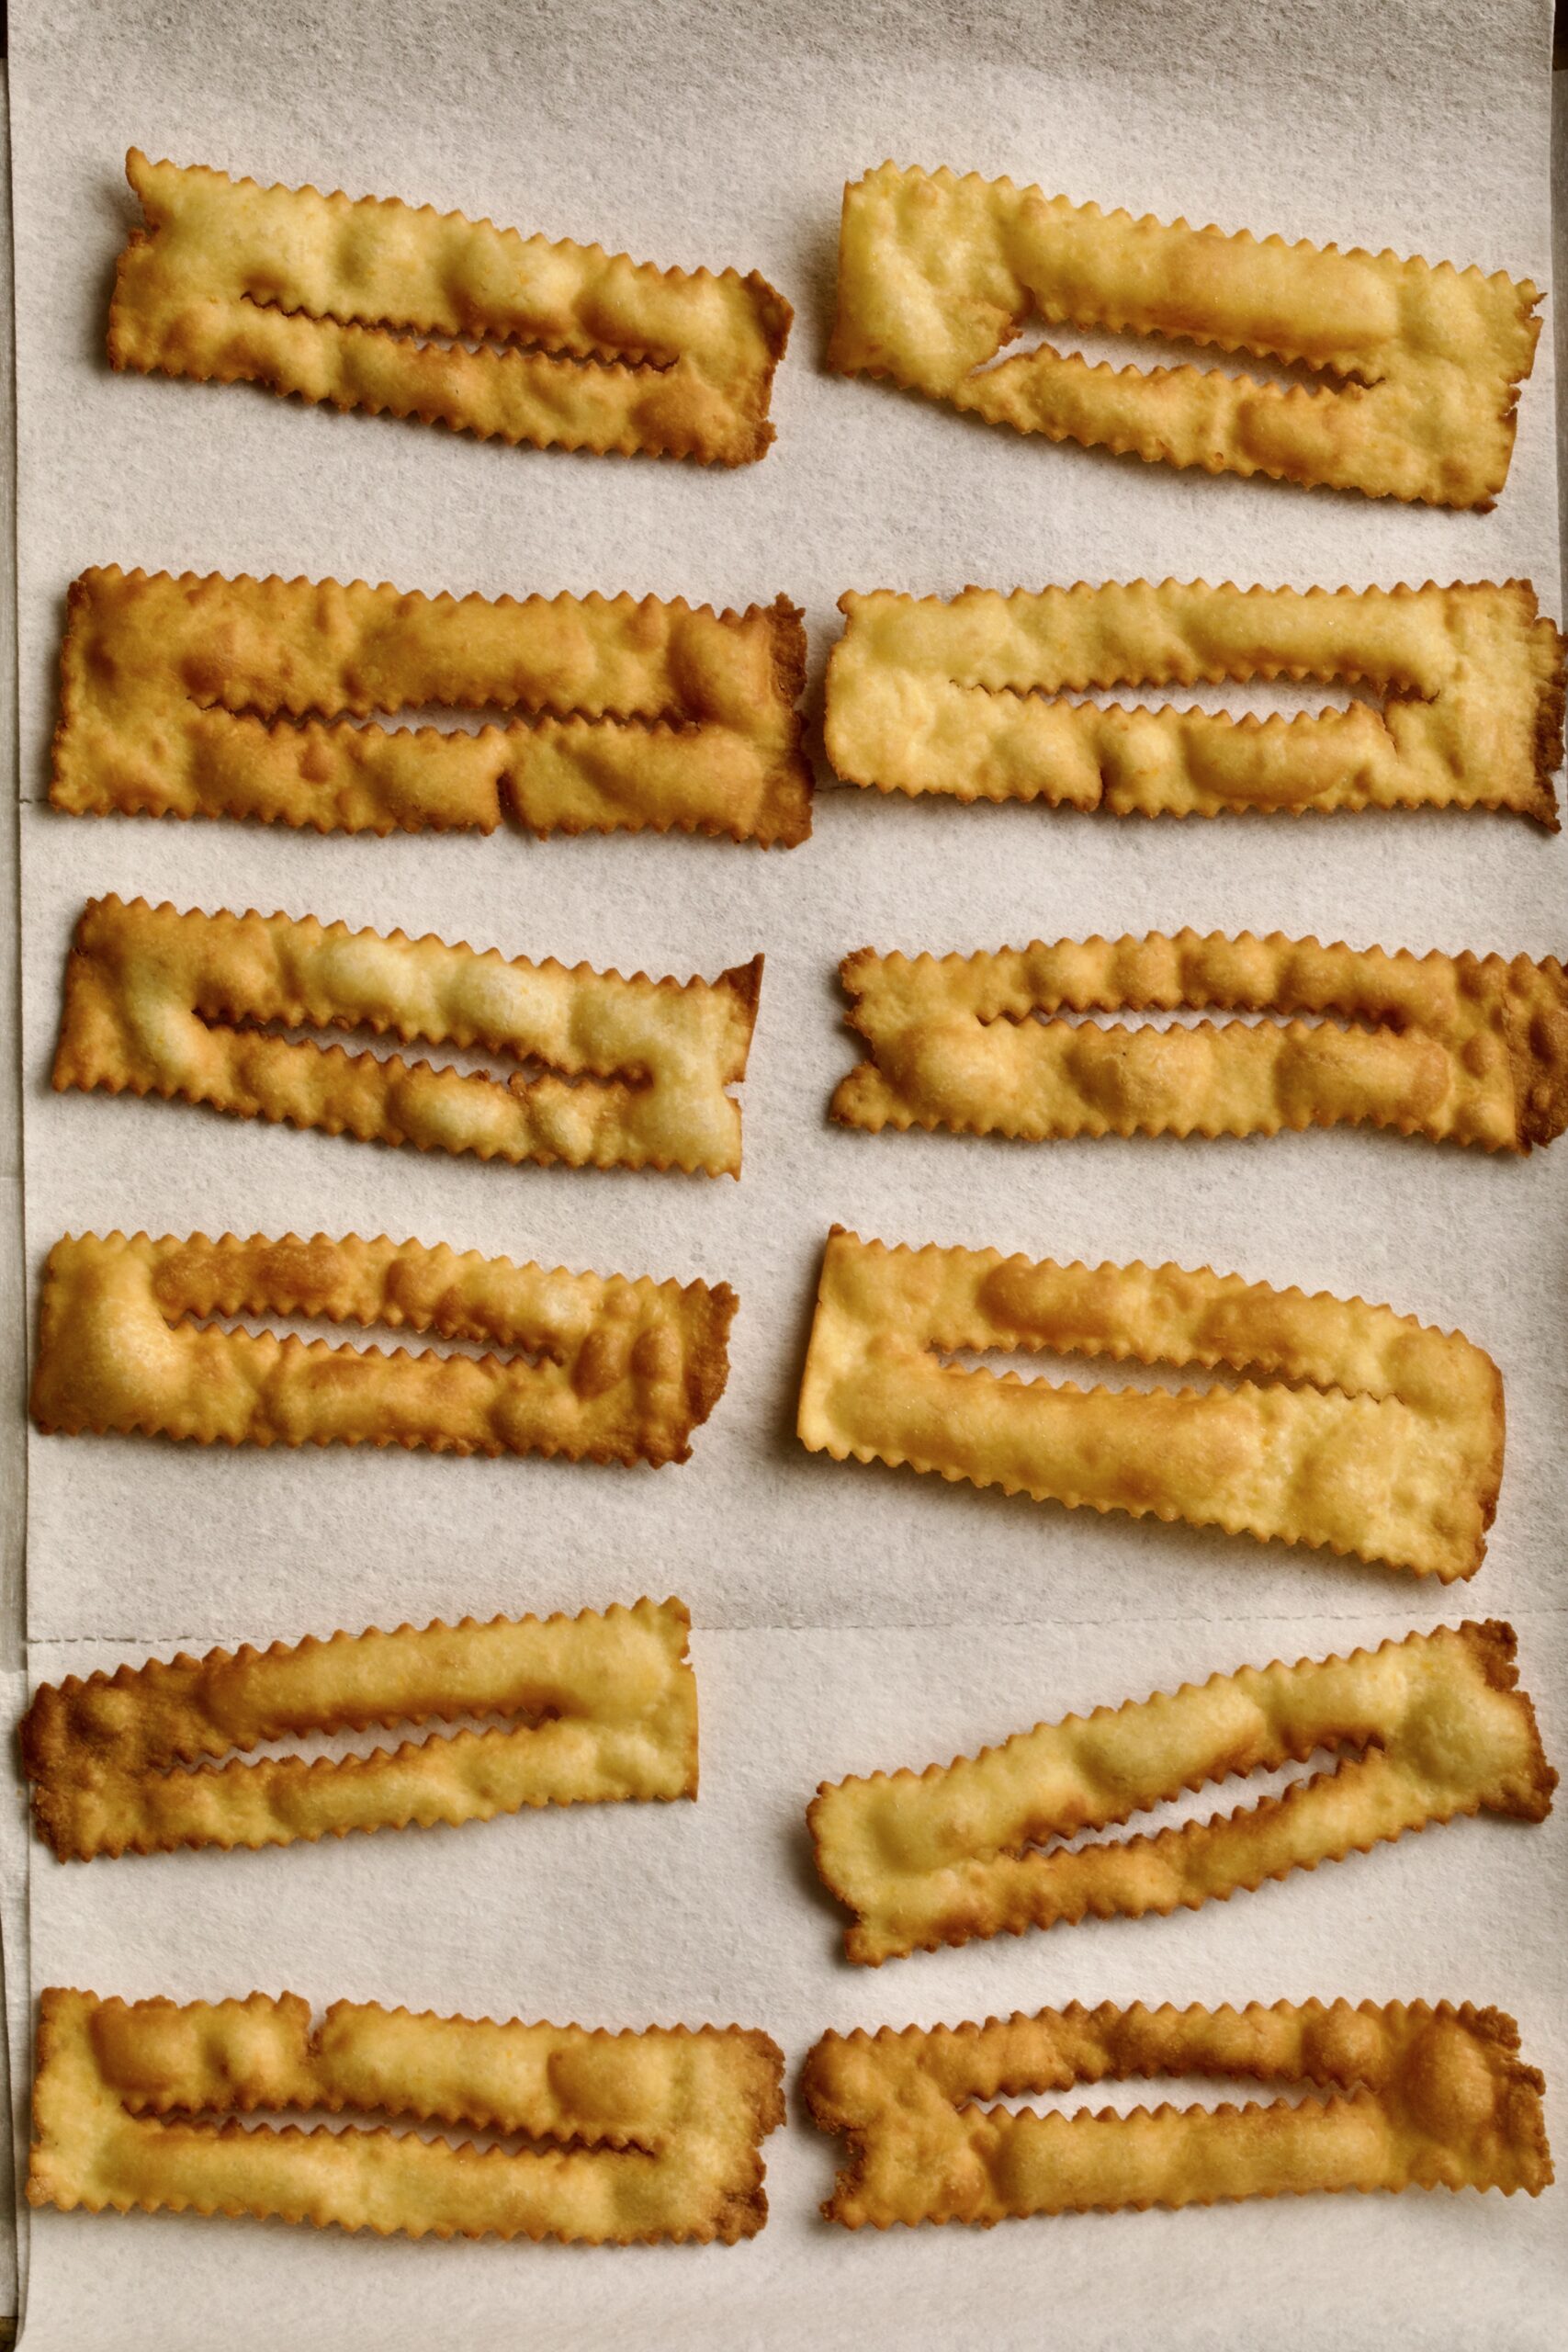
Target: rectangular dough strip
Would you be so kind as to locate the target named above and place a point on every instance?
(633, 1073)
(1429, 1728)
(148, 2107)
(596, 1709)
(404, 311)
(1415, 2098)
(1415, 370)
(209, 697)
(615, 1369)
(1349, 1427)
(1468, 1049)
(970, 697)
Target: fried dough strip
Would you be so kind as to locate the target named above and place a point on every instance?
(966, 697)
(1353, 1427)
(642, 2136)
(1419, 2098)
(615, 1369)
(1435, 1726)
(159, 1002)
(207, 696)
(1418, 367)
(374, 304)
(1468, 1049)
(607, 1710)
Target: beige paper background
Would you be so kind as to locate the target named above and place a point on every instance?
(846, 1617)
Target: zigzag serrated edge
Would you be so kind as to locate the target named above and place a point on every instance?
(768, 2116)
(1491, 1640)
(203, 1760)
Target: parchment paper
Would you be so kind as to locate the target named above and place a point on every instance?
(847, 1617)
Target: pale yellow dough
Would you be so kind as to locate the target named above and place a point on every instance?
(1428, 1728)
(969, 697)
(577, 1364)
(596, 1709)
(1468, 1049)
(635, 1071)
(207, 696)
(634, 2136)
(1418, 2097)
(1418, 367)
(1351, 1427)
(375, 304)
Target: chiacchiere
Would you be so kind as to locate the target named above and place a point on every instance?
(399, 309)
(1408, 2097)
(1426, 1729)
(1351, 1427)
(577, 1364)
(633, 1073)
(973, 697)
(209, 697)
(1417, 369)
(594, 1709)
(1470, 1049)
(628, 2137)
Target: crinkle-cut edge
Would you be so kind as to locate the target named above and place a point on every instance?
(1482, 504)
(302, 823)
(753, 2217)
(954, 1936)
(645, 1163)
(1129, 1266)
(781, 837)
(1315, 591)
(395, 1318)
(707, 1370)
(1169, 1517)
(969, 795)
(416, 1818)
(634, 359)
(435, 2113)
(1549, 706)
(655, 1457)
(125, 1675)
(1093, 1130)
(1491, 1643)
(1548, 716)
(781, 834)
(115, 1849)
(945, 175)
(1488, 2024)
(1466, 958)
(730, 274)
(1489, 1487)
(786, 832)
(1337, 374)
(627, 444)
(1526, 298)
(787, 650)
(781, 610)
(528, 720)
(1157, 2204)
(1530, 1129)
(747, 2205)
(44, 1759)
(741, 980)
